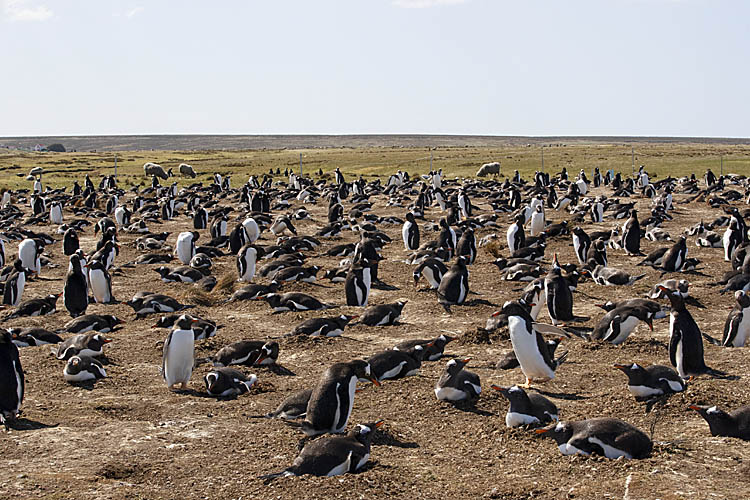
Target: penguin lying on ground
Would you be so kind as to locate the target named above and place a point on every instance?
(732, 424)
(383, 314)
(457, 384)
(246, 352)
(83, 369)
(610, 437)
(293, 301)
(26, 337)
(323, 327)
(654, 380)
(102, 323)
(83, 345)
(294, 406)
(433, 349)
(394, 364)
(527, 409)
(36, 307)
(228, 382)
(333, 455)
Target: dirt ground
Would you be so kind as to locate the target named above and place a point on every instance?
(128, 436)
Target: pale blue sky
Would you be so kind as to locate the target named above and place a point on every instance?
(524, 67)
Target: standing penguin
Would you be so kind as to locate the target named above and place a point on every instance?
(75, 291)
(581, 244)
(597, 211)
(457, 384)
(332, 397)
(184, 249)
(11, 380)
(537, 221)
(70, 241)
(246, 259)
(631, 235)
(179, 354)
(410, 232)
(464, 204)
(737, 325)
(200, 218)
(454, 287)
(467, 246)
(447, 237)
(732, 239)
(56, 213)
(29, 251)
(15, 284)
(532, 352)
(252, 231)
(101, 282)
(515, 235)
(655, 380)
(357, 286)
(559, 296)
(433, 271)
(685, 338)
(675, 257)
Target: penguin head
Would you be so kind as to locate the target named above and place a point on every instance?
(717, 419)
(162, 270)
(99, 340)
(513, 393)
(456, 365)
(364, 432)
(270, 350)
(113, 320)
(363, 371)
(52, 298)
(185, 322)
(514, 308)
(73, 365)
(635, 372)
(210, 380)
(560, 432)
(742, 298)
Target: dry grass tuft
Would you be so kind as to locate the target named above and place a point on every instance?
(225, 284)
(200, 297)
(493, 248)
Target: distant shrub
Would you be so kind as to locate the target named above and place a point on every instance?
(56, 148)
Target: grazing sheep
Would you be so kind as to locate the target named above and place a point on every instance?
(187, 170)
(489, 168)
(154, 169)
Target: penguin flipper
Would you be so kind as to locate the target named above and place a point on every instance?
(546, 329)
(674, 339)
(710, 339)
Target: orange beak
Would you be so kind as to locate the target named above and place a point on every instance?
(496, 313)
(694, 407)
(374, 381)
(541, 431)
(620, 367)
(379, 423)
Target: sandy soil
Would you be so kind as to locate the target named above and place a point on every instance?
(128, 436)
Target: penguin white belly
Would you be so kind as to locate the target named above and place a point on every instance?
(537, 224)
(609, 451)
(331, 333)
(528, 355)
(384, 321)
(538, 304)
(178, 366)
(99, 286)
(19, 387)
(511, 236)
(569, 449)
(644, 391)
(462, 290)
(363, 461)
(405, 235)
(449, 394)
(513, 419)
(300, 307)
(393, 371)
(743, 329)
(727, 241)
(626, 328)
(429, 275)
(342, 468)
(249, 270)
(352, 390)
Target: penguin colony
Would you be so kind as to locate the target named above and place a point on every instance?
(253, 232)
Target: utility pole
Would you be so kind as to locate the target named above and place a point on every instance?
(722, 165)
(542, 158)
(430, 159)
(115, 165)
(300, 164)
(632, 159)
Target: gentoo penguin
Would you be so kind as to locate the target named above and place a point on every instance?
(464, 204)
(515, 235)
(393, 364)
(655, 380)
(29, 251)
(433, 349)
(179, 274)
(250, 292)
(332, 397)
(610, 437)
(581, 244)
(631, 234)
(70, 241)
(292, 407)
(56, 213)
(597, 211)
(383, 314)
(184, 249)
(357, 285)
(218, 227)
(332, 455)
(731, 240)
(179, 354)
(454, 286)
(252, 231)
(531, 350)
(84, 344)
(610, 276)
(732, 424)
(282, 224)
(15, 284)
(11, 380)
(101, 283)
(92, 322)
(31, 336)
(293, 301)
(200, 218)
(433, 271)
(675, 257)
(536, 226)
(228, 382)
(685, 338)
(447, 237)
(410, 232)
(75, 291)
(457, 384)
(467, 246)
(527, 409)
(36, 307)
(155, 303)
(737, 324)
(122, 216)
(617, 325)
(246, 352)
(559, 296)
(246, 259)
(323, 327)
(509, 361)
(106, 254)
(202, 328)
(82, 369)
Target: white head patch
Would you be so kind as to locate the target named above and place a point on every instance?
(452, 362)
(365, 429)
(559, 427)
(515, 388)
(713, 409)
(635, 366)
(367, 369)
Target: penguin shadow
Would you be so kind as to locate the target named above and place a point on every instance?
(87, 385)
(380, 285)
(479, 302)
(26, 424)
(568, 396)
(277, 369)
(386, 438)
(470, 406)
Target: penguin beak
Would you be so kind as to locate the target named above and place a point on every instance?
(374, 380)
(106, 341)
(465, 361)
(379, 423)
(496, 313)
(541, 431)
(155, 325)
(694, 407)
(260, 360)
(650, 324)
(620, 367)
(502, 390)
(58, 295)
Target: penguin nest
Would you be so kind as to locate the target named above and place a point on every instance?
(200, 297)
(225, 284)
(493, 248)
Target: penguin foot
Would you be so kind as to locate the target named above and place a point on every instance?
(527, 384)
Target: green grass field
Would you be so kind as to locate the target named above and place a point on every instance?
(660, 160)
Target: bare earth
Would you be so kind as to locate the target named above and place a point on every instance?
(128, 436)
